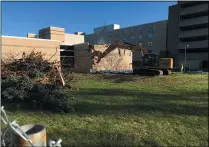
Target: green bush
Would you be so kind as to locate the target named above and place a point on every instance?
(20, 87)
(50, 97)
(16, 88)
(45, 97)
(35, 74)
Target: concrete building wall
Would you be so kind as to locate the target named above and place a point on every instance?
(30, 35)
(135, 35)
(193, 24)
(172, 34)
(52, 33)
(49, 41)
(83, 62)
(193, 31)
(15, 46)
(194, 61)
(159, 37)
(194, 56)
(172, 38)
(188, 25)
(194, 9)
(73, 39)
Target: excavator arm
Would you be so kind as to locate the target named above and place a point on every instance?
(117, 44)
(133, 48)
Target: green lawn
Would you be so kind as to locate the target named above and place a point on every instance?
(130, 111)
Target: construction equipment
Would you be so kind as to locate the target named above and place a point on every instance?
(150, 64)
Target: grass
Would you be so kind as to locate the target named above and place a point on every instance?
(130, 111)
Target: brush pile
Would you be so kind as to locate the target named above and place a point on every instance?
(36, 80)
(32, 65)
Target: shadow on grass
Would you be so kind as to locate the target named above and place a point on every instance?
(125, 101)
(142, 103)
(30, 107)
(15, 106)
(120, 78)
(83, 137)
(140, 109)
(182, 95)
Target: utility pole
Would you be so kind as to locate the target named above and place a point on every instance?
(185, 57)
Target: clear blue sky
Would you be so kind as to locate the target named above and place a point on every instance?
(19, 18)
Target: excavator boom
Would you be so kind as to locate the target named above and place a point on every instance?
(117, 44)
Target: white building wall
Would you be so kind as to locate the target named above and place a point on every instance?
(71, 39)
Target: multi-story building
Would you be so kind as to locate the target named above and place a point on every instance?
(53, 42)
(106, 28)
(151, 36)
(188, 31)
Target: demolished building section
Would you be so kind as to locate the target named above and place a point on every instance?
(113, 61)
(84, 61)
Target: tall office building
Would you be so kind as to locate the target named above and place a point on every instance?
(188, 30)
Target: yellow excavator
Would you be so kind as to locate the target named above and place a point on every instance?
(150, 64)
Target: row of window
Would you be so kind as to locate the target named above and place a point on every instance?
(149, 36)
(140, 37)
(149, 44)
(140, 44)
(149, 28)
(116, 33)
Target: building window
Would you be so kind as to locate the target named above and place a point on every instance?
(141, 30)
(150, 28)
(122, 31)
(124, 39)
(149, 51)
(109, 33)
(132, 37)
(140, 44)
(140, 36)
(132, 30)
(149, 36)
(126, 30)
(149, 43)
(150, 31)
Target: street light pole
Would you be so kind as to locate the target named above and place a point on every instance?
(185, 57)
